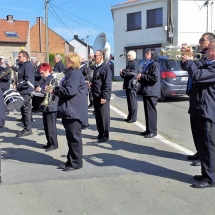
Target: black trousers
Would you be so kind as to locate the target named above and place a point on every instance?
(132, 104)
(49, 122)
(86, 124)
(150, 103)
(74, 140)
(26, 112)
(36, 101)
(193, 122)
(90, 95)
(102, 115)
(206, 145)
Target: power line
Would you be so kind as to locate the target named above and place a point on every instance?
(82, 19)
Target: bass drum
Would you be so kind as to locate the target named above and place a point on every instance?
(13, 100)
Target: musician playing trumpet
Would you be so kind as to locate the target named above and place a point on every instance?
(50, 112)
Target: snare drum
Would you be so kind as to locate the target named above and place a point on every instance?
(13, 100)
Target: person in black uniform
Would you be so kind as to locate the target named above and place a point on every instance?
(72, 109)
(2, 121)
(202, 108)
(36, 100)
(50, 112)
(150, 89)
(91, 67)
(5, 80)
(25, 76)
(130, 86)
(204, 42)
(84, 71)
(101, 89)
(59, 66)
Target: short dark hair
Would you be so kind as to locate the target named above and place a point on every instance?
(25, 54)
(210, 36)
(154, 55)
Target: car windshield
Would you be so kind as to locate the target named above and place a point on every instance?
(172, 65)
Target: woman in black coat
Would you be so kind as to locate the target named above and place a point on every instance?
(130, 86)
(150, 89)
(72, 107)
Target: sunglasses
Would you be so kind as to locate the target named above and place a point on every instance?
(202, 39)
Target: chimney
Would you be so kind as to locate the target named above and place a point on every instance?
(39, 20)
(76, 36)
(10, 18)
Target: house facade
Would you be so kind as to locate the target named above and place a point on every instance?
(141, 24)
(81, 47)
(14, 37)
(57, 44)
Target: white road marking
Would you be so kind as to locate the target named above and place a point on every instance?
(159, 137)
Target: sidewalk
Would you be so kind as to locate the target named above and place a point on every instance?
(127, 175)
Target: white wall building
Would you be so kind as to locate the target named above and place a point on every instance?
(141, 24)
(81, 47)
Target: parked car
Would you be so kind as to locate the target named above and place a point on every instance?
(173, 78)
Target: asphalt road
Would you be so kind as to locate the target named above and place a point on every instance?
(127, 175)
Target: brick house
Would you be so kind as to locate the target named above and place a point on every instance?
(14, 36)
(57, 44)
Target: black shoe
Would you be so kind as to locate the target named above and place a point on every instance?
(203, 184)
(19, 120)
(68, 168)
(63, 166)
(196, 163)
(103, 139)
(144, 133)
(130, 121)
(150, 135)
(193, 157)
(24, 133)
(51, 148)
(126, 120)
(45, 147)
(198, 177)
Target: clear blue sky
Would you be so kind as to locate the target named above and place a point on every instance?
(67, 17)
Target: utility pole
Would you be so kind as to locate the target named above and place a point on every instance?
(169, 23)
(46, 33)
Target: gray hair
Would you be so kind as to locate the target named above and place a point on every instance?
(58, 56)
(132, 54)
(4, 60)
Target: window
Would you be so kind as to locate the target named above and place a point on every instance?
(11, 34)
(154, 18)
(133, 21)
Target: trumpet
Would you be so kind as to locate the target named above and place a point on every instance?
(53, 82)
(176, 55)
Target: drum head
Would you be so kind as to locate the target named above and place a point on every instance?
(13, 103)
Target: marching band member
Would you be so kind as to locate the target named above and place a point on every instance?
(129, 77)
(2, 121)
(101, 89)
(72, 109)
(50, 112)
(5, 80)
(150, 87)
(25, 75)
(59, 66)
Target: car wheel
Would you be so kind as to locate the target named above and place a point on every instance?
(162, 98)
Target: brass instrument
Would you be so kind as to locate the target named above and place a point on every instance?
(175, 53)
(6, 73)
(48, 97)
